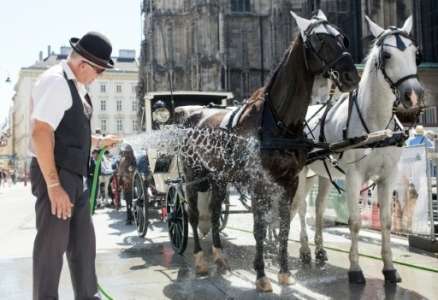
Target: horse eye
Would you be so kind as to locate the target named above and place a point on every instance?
(386, 55)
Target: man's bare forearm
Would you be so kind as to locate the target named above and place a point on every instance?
(43, 145)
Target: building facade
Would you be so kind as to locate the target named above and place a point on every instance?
(113, 96)
(233, 45)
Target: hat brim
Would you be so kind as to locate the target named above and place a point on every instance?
(105, 64)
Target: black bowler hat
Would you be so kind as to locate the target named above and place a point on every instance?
(94, 47)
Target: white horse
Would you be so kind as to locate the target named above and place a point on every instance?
(389, 78)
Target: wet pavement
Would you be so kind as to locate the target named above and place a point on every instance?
(129, 267)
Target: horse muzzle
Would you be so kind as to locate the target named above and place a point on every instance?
(411, 94)
(344, 73)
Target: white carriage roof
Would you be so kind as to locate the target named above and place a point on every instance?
(152, 95)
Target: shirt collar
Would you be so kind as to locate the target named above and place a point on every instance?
(71, 76)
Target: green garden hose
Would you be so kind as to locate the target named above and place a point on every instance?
(93, 203)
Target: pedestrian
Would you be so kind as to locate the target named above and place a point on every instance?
(419, 138)
(106, 171)
(60, 145)
(92, 170)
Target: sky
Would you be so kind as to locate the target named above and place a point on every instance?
(29, 26)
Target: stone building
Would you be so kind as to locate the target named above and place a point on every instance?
(113, 95)
(232, 45)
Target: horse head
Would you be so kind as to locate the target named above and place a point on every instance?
(326, 51)
(396, 58)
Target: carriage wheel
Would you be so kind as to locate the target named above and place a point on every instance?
(225, 212)
(140, 205)
(177, 219)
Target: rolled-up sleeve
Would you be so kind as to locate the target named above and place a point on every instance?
(51, 98)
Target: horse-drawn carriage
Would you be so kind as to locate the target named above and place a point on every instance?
(159, 185)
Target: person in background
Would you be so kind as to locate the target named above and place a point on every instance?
(106, 171)
(419, 138)
(92, 170)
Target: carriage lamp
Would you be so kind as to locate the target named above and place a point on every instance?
(161, 115)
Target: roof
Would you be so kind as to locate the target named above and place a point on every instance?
(152, 95)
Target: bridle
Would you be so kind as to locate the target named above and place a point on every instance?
(313, 44)
(380, 64)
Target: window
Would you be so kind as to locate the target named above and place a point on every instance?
(103, 125)
(240, 6)
(119, 124)
(102, 105)
(119, 105)
(134, 125)
(134, 105)
(133, 89)
(118, 88)
(103, 88)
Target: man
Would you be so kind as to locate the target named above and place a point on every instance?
(419, 138)
(60, 144)
(92, 169)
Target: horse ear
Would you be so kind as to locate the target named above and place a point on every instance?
(321, 15)
(302, 23)
(407, 27)
(375, 29)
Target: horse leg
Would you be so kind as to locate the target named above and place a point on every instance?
(284, 276)
(218, 196)
(352, 187)
(263, 284)
(299, 203)
(384, 196)
(201, 265)
(320, 205)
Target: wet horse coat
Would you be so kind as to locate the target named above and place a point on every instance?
(273, 117)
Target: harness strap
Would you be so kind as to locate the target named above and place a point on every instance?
(350, 109)
(324, 116)
(338, 188)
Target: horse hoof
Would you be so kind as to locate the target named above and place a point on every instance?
(201, 266)
(220, 262)
(264, 285)
(285, 279)
(391, 276)
(306, 257)
(321, 256)
(356, 277)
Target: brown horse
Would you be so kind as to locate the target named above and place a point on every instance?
(125, 174)
(273, 118)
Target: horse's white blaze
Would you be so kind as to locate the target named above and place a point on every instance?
(414, 98)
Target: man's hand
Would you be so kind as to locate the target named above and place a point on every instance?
(60, 202)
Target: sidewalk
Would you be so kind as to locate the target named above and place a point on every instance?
(129, 267)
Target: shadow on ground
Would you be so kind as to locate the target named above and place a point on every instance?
(313, 282)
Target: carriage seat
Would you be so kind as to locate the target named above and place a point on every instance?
(232, 117)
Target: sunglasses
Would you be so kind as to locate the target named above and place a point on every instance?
(96, 69)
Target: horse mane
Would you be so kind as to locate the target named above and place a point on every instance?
(291, 87)
(257, 94)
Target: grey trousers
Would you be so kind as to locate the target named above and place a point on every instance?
(74, 236)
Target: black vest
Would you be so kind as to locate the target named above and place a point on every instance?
(73, 136)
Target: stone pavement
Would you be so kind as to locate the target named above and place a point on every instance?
(132, 268)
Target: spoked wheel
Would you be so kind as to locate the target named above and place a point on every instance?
(177, 218)
(140, 205)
